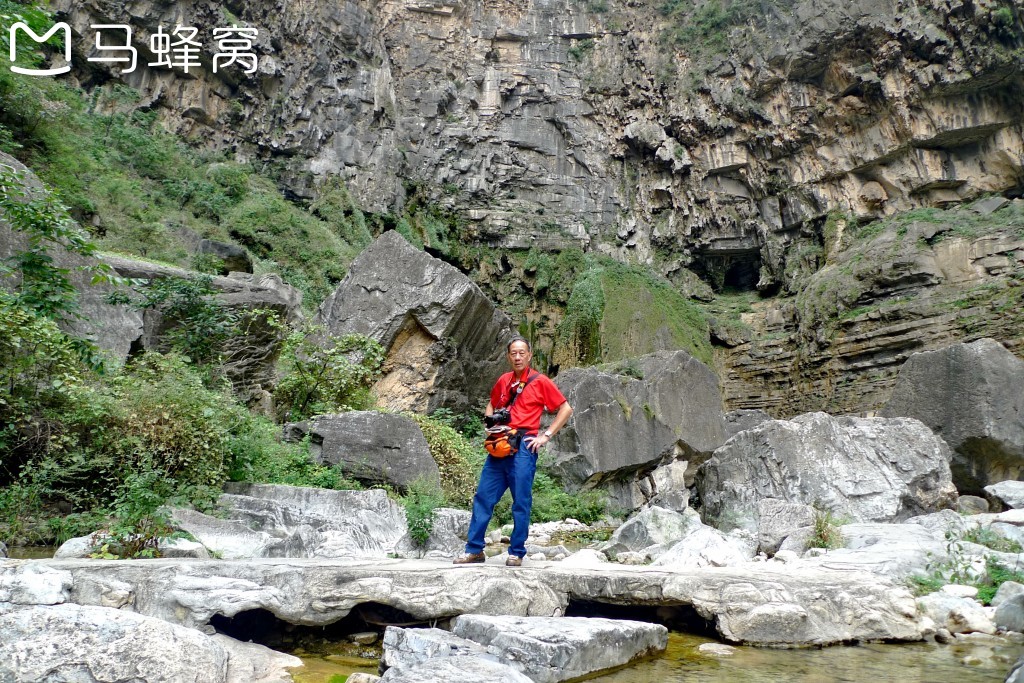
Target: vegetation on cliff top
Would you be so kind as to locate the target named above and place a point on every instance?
(617, 311)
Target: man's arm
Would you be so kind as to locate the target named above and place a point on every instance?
(489, 410)
(563, 415)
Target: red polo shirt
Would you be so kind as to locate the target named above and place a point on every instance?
(539, 395)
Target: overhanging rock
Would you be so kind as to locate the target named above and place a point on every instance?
(444, 339)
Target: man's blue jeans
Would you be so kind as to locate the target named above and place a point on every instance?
(514, 472)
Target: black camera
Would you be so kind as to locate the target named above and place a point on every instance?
(501, 416)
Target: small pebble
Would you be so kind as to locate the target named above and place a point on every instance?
(971, 660)
(943, 636)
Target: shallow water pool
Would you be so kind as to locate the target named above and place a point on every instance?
(977, 660)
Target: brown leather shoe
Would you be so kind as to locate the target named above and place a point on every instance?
(470, 558)
(514, 561)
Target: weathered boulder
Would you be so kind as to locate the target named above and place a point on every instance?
(447, 538)
(1010, 613)
(552, 649)
(444, 339)
(1016, 674)
(234, 257)
(777, 520)
(407, 648)
(861, 469)
(1007, 590)
(971, 505)
(893, 550)
(650, 526)
(370, 447)
(265, 520)
(94, 644)
(704, 546)
(1006, 494)
(970, 395)
(84, 546)
(955, 614)
(34, 584)
(103, 645)
(624, 428)
(456, 670)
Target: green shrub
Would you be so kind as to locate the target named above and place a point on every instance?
(139, 521)
(258, 455)
(324, 373)
(826, 531)
(458, 458)
(197, 325)
(619, 311)
(420, 501)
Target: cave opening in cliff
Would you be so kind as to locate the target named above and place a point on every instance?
(731, 271)
(265, 628)
(678, 618)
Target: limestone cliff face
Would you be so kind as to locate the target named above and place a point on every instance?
(733, 152)
(916, 285)
(550, 122)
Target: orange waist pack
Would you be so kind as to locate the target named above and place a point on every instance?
(503, 444)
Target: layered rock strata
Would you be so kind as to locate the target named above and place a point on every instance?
(552, 123)
(445, 341)
(917, 284)
(753, 604)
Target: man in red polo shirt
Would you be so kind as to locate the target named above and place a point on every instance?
(533, 393)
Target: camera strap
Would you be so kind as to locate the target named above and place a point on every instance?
(515, 394)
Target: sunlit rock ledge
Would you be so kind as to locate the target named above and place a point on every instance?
(785, 606)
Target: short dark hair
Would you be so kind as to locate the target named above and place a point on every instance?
(513, 340)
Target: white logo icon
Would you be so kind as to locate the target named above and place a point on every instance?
(41, 39)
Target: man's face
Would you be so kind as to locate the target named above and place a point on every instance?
(519, 356)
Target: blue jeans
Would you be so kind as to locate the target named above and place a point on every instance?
(514, 472)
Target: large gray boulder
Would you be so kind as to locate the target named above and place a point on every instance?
(650, 526)
(264, 520)
(553, 649)
(93, 644)
(88, 644)
(1010, 613)
(624, 427)
(859, 469)
(444, 339)
(370, 447)
(970, 395)
(1006, 494)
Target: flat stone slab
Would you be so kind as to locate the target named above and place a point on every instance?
(761, 604)
(554, 649)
